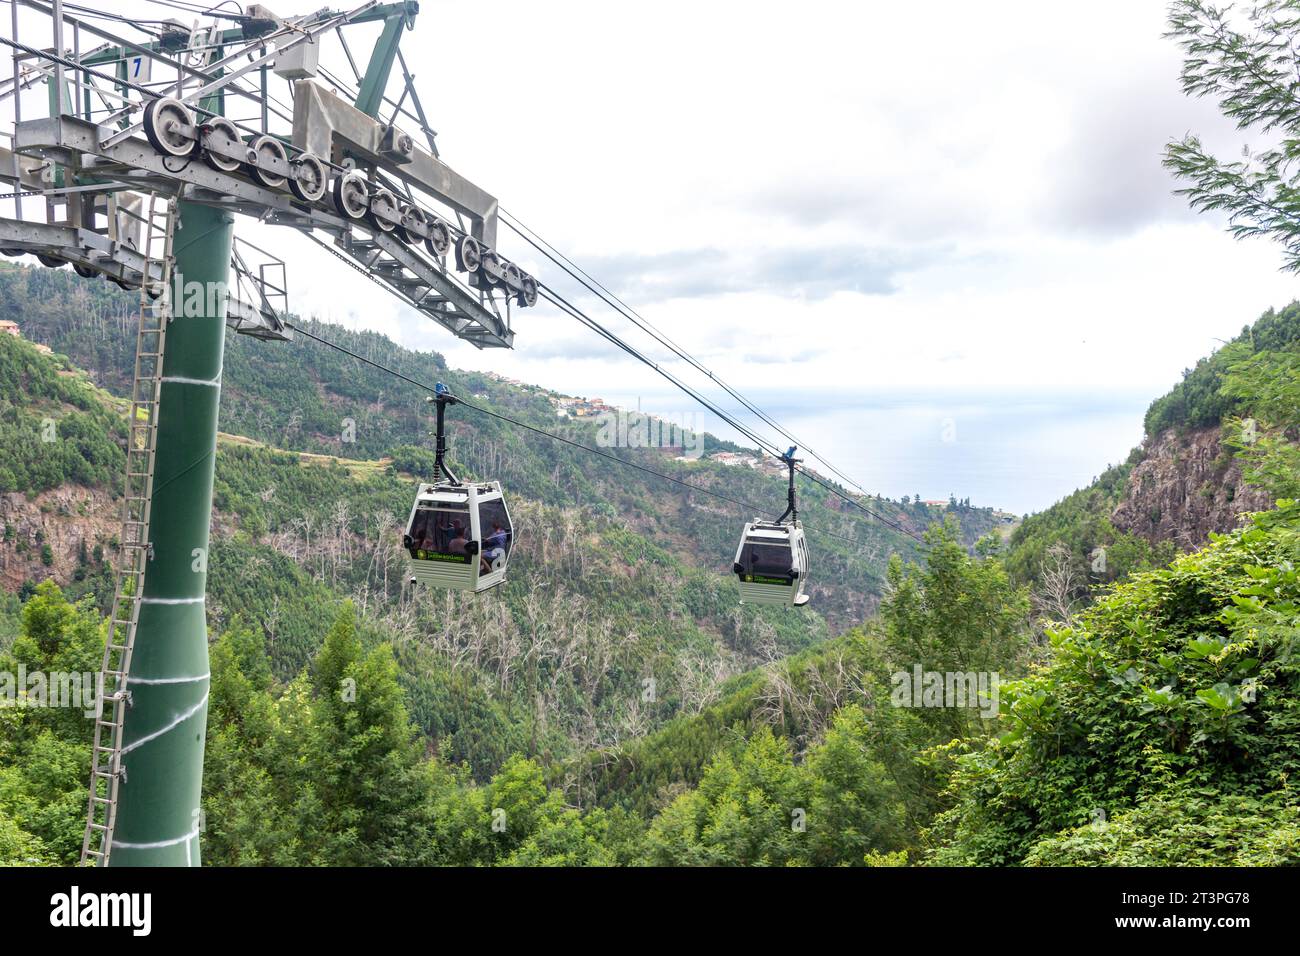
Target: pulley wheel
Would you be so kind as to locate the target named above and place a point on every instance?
(54, 262)
(309, 179)
(163, 119)
(414, 225)
(84, 271)
(490, 275)
(267, 148)
(469, 254)
(222, 164)
(383, 210)
(438, 241)
(351, 195)
(528, 291)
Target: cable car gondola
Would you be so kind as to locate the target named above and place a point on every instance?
(772, 557)
(459, 534)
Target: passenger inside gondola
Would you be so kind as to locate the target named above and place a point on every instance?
(422, 531)
(457, 542)
(494, 547)
(439, 531)
(447, 529)
(495, 527)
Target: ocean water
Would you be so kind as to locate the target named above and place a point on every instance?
(1015, 450)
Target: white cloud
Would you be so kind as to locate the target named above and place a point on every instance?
(869, 194)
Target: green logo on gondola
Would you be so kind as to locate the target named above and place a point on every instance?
(437, 556)
(763, 579)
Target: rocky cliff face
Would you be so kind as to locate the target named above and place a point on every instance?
(63, 519)
(1187, 486)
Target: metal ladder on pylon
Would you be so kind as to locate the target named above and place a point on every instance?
(106, 771)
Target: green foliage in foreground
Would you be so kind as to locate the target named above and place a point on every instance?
(1183, 827)
(1167, 707)
(326, 771)
(1162, 731)
(45, 751)
(759, 807)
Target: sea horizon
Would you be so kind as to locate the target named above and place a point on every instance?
(1019, 450)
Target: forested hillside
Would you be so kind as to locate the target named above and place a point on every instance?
(562, 661)
(1168, 703)
(304, 397)
(613, 704)
(553, 665)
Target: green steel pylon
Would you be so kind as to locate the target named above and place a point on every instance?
(158, 814)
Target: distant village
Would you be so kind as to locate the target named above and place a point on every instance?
(569, 407)
(10, 327)
(765, 464)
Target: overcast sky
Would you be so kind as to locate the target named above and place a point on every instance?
(859, 195)
(874, 194)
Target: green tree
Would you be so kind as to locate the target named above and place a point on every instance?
(751, 809)
(855, 809)
(1246, 62)
(45, 751)
(247, 793)
(957, 613)
(370, 791)
(20, 848)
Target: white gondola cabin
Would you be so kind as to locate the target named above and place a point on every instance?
(772, 564)
(772, 557)
(459, 536)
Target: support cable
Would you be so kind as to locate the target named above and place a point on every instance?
(551, 435)
(555, 299)
(600, 291)
(550, 295)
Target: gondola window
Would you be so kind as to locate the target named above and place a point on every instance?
(766, 559)
(441, 534)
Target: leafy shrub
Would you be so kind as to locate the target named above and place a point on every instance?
(1181, 681)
